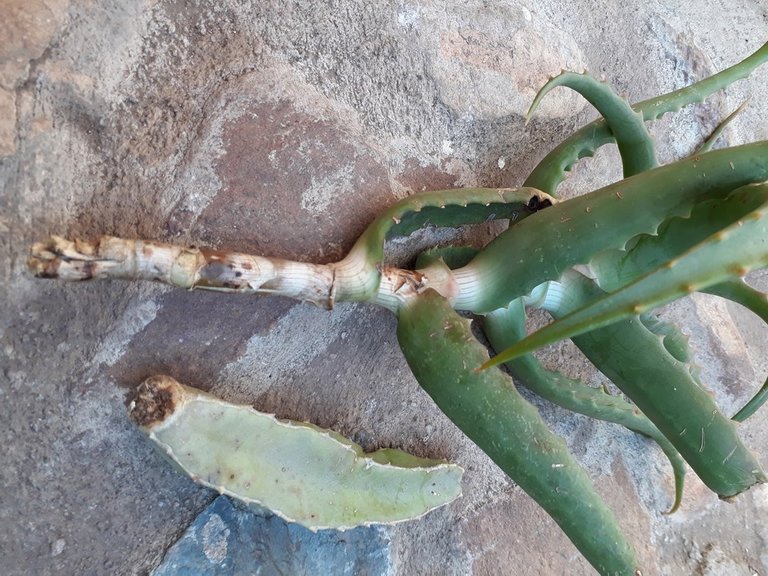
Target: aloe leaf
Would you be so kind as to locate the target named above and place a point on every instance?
(605, 219)
(550, 171)
(707, 145)
(360, 271)
(626, 125)
(742, 293)
(668, 394)
(505, 326)
(754, 404)
(298, 471)
(615, 269)
(675, 342)
(733, 251)
(440, 349)
(637, 359)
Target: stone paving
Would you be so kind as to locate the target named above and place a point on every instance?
(282, 128)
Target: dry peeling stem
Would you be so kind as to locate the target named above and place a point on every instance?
(119, 258)
(110, 257)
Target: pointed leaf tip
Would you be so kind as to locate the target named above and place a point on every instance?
(491, 362)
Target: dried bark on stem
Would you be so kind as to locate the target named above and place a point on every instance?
(110, 257)
(321, 284)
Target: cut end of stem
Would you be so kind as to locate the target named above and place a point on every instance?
(157, 398)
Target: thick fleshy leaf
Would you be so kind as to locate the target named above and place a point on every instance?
(636, 357)
(544, 245)
(298, 471)
(626, 125)
(505, 326)
(440, 349)
(551, 170)
(614, 269)
(361, 268)
(732, 252)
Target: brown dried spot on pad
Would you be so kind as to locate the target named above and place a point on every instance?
(156, 399)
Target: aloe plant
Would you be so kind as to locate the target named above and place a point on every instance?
(598, 263)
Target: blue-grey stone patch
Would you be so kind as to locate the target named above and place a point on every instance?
(226, 540)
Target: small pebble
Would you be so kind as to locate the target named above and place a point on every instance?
(58, 547)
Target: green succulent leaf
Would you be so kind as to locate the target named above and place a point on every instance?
(753, 405)
(675, 342)
(440, 349)
(637, 356)
(581, 228)
(670, 395)
(626, 125)
(506, 326)
(550, 171)
(615, 269)
(444, 208)
(731, 252)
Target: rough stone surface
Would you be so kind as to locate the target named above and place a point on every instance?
(225, 540)
(282, 128)
(26, 31)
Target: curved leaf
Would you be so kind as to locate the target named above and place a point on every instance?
(550, 171)
(505, 326)
(638, 361)
(626, 125)
(441, 350)
(359, 272)
(576, 230)
(731, 252)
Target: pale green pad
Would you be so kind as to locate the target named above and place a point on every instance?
(300, 472)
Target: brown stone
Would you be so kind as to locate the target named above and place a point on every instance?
(292, 176)
(26, 28)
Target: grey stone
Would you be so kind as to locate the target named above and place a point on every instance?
(228, 541)
(282, 128)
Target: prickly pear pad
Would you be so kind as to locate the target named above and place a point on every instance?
(300, 472)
